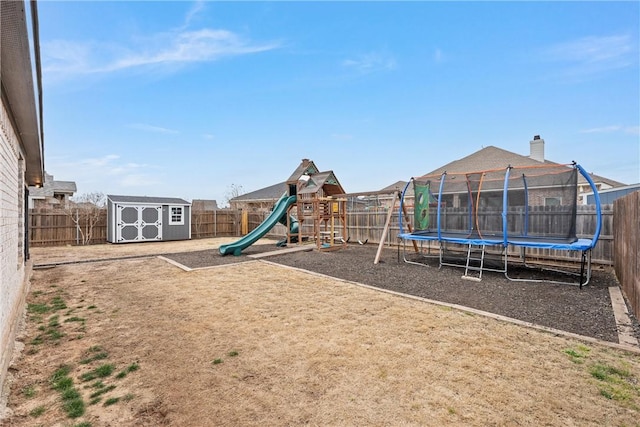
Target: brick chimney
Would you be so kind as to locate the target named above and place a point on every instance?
(536, 147)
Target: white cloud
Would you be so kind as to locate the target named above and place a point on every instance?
(370, 62)
(151, 128)
(438, 56)
(98, 162)
(138, 180)
(190, 46)
(107, 173)
(592, 55)
(631, 130)
(197, 7)
(65, 59)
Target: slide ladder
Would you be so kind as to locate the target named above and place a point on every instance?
(475, 253)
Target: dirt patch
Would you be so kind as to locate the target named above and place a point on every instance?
(255, 343)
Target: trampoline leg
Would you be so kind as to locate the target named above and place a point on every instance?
(584, 256)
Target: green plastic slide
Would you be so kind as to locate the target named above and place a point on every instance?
(279, 211)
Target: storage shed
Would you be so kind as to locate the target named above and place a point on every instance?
(141, 219)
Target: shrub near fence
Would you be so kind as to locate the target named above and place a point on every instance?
(626, 232)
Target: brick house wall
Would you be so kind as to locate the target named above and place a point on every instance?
(13, 275)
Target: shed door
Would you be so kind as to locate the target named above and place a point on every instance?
(138, 223)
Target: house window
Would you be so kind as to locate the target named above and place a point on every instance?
(552, 201)
(176, 215)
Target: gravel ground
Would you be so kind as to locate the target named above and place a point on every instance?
(585, 311)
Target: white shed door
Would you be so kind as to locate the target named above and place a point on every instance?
(138, 223)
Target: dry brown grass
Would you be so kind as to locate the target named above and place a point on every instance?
(310, 350)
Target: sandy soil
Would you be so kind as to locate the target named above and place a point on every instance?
(255, 343)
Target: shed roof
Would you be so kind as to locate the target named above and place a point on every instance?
(147, 200)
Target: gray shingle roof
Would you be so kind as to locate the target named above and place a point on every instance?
(145, 199)
(52, 187)
(496, 158)
(487, 158)
(273, 192)
(398, 185)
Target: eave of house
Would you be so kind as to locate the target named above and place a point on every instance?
(18, 92)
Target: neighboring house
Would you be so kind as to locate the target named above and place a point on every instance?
(610, 195)
(53, 194)
(261, 200)
(496, 158)
(21, 162)
(204, 205)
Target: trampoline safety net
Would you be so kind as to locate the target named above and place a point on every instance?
(541, 204)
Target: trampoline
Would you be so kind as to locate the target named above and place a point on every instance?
(503, 211)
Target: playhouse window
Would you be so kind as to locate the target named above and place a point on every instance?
(176, 216)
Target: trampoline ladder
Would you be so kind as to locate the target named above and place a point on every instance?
(474, 253)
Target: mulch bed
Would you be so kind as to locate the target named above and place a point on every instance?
(585, 311)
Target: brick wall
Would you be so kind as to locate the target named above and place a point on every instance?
(13, 283)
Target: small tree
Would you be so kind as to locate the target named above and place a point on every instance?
(234, 190)
(85, 212)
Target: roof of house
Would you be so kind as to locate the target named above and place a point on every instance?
(398, 185)
(273, 192)
(51, 187)
(204, 204)
(496, 158)
(147, 200)
(18, 85)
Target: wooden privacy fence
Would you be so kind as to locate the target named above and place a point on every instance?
(56, 228)
(626, 253)
(220, 222)
(369, 225)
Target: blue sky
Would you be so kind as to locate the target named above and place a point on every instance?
(185, 99)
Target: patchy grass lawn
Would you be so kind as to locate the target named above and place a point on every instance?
(142, 343)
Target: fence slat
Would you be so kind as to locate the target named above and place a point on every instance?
(626, 253)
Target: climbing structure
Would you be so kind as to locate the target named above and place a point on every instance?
(321, 213)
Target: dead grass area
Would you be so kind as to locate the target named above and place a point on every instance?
(62, 254)
(260, 344)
